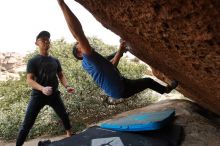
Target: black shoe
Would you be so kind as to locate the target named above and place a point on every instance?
(172, 86)
(44, 143)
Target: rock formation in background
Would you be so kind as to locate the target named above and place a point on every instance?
(11, 64)
(179, 39)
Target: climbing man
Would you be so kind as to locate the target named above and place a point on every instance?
(103, 71)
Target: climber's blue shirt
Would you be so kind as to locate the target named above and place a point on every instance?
(104, 74)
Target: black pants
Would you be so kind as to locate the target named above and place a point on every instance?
(36, 103)
(111, 56)
(135, 86)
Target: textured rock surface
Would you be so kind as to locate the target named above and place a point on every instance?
(180, 39)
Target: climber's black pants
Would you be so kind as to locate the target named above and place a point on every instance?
(135, 86)
(132, 87)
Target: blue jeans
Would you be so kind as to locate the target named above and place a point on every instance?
(36, 103)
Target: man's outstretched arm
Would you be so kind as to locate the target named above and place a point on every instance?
(119, 54)
(75, 27)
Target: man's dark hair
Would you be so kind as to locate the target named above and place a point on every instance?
(43, 34)
(74, 51)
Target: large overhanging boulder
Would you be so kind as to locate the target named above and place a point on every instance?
(179, 39)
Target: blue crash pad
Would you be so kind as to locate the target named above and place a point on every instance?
(141, 122)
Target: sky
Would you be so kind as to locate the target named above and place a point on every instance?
(22, 20)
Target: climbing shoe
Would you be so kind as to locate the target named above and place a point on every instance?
(172, 86)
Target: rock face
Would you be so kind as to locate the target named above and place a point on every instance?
(10, 65)
(179, 39)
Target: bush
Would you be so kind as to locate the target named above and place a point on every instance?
(84, 107)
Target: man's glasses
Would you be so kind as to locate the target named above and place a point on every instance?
(44, 40)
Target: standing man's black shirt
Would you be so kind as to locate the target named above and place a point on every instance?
(45, 70)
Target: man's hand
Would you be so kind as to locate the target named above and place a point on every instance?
(47, 90)
(70, 90)
(122, 47)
